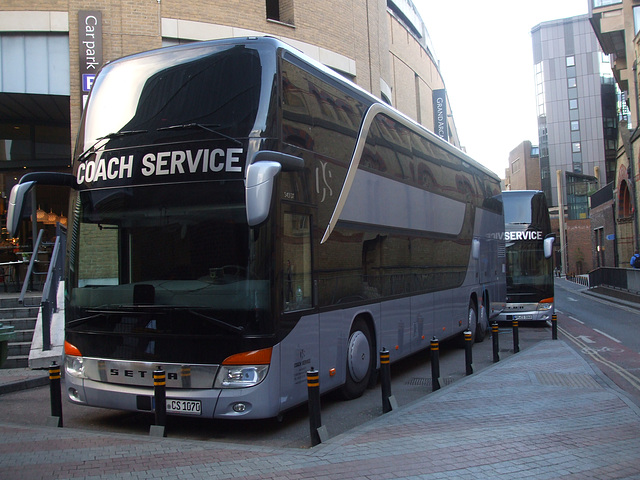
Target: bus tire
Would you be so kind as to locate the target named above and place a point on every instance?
(472, 326)
(483, 321)
(360, 360)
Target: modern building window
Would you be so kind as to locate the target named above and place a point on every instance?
(575, 125)
(573, 104)
(571, 61)
(280, 11)
(571, 82)
(575, 147)
(605, 3)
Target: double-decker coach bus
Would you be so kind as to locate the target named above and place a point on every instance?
(240, 214)
(529, 247)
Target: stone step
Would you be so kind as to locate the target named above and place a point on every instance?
(16, 362)
(18, 312)
(23, 317)
(22, 336)
(13, 302)
(21, 323)
(19, 349)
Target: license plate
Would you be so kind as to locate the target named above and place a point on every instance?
(184, 407)
(523, 317)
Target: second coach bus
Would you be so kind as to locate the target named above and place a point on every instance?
(240, 214)
(529, 248)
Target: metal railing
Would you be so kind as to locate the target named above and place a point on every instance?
(48, 302)
(32, 262)
(621, 278)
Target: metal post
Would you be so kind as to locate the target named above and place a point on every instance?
(435, 364)
(554, 326)
(160, 403)
(385, 380)
(313, 388)
(56, 397)
(516, 338)
(468, 359)
(496, 342)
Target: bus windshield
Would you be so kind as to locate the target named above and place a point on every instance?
(171, 247)
(173, 95)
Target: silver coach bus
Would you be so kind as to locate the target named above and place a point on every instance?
(240, 214)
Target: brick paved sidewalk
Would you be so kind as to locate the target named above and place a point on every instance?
(541, 414)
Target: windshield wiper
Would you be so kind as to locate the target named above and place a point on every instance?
(219, 323)
(109, 136)
(80, 321)
(147, 309)
(202, 126)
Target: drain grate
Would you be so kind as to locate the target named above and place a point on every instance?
(576, 380)
(426, 382)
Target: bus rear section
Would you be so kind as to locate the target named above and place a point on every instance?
(529, 248)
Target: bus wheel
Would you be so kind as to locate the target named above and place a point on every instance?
(483, 322)
(473, 320)
(359, 360)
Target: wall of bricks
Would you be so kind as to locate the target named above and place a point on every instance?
(579, 258)
(602, 218)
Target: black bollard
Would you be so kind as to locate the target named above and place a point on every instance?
(313, 388)
(385, 380)
(516, 338)
(435, 364)
(496, 342)
(554, 327)
(468, 359)
(56, 396)
(160, 402)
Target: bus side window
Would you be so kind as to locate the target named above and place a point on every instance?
(296, 256)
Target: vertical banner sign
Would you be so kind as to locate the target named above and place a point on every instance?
(440, 114)
(90, 45)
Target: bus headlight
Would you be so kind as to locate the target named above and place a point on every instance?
(73, 361)
(245, 369)
(545, 304)
(240, 376)
(74, 366)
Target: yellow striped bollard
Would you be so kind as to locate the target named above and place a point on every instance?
(56, 395)
(315, 422)
(435, 364)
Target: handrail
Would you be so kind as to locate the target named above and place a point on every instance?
(27, 277)
(49, 302)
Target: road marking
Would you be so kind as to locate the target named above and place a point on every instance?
(628, 376)
(571, 299)
(608, 336)
(576, 320)
(585, 339)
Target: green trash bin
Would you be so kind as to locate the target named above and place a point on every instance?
(6, 334)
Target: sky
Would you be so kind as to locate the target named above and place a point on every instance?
(486, 60)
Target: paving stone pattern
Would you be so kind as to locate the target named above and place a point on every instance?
(544, 413)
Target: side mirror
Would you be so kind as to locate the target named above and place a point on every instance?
(548, 247)
(261, 173)
(19, 192)
(17, 201)
(259, 190)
